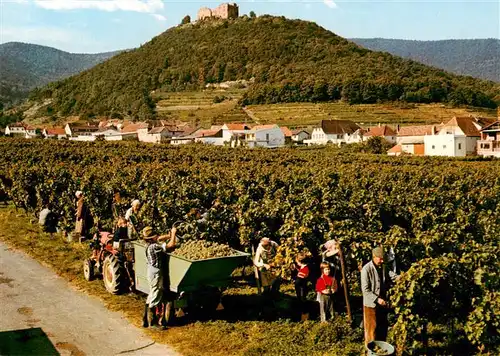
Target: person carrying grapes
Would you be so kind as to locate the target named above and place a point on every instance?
(375, 283)
(264, 255)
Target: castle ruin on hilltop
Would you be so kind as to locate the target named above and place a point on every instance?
(223, 11)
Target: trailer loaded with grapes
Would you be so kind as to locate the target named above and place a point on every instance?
(196, 274)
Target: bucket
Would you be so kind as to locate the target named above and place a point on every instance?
(379, 348)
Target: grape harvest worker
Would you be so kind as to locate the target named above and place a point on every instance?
(131, 217)
(48, 220)
(121, 232)
(326, 287)
(266, 251)
(156, 246)
(375, 283)
(83, 217)
(301, 284)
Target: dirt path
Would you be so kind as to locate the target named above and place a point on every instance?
(32, 296)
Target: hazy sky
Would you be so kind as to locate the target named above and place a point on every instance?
(106, 25)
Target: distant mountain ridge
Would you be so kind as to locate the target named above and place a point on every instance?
(478, 58)
(24, 66)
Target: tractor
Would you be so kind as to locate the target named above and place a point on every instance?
(113, 260)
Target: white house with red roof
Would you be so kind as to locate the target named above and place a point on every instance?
(21, 129)
(489, 144)
(384, 131)
(55, 133)
(411, 138)
(234, 132)
(335, 132)
(457, 138)
(299, 135)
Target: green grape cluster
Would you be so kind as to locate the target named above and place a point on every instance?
(201, 250)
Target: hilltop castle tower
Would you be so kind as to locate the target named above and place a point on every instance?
(223, 11)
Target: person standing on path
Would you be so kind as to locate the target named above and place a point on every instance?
(132, 221)
(375, 283)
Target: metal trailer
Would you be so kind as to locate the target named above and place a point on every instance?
(195, 284)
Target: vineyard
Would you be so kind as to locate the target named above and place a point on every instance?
(442, 216)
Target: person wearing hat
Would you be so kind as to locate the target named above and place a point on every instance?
(264, 255)
(131, 217)
(375, 283)
(156, 246)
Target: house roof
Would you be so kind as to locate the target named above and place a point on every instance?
(264, 127)
(237, 126)
(23, 125)
(421, 130)
(383, 131)
(159, 129)
(466, 124)
(205, 133)
(297, 131)
(134, 127)
(485, 121)
(339, 126)
(56, 131)
(17, 124)
(492, 127)
(286, 131)
(396, 149)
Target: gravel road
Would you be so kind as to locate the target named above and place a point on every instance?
(33, 296)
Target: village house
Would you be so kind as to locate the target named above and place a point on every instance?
(410, 139)
(21, 129)
(299, 135)
(135, 131)
(269, 136)
(384, 131)
(335, 132)
(209, 137)
(489, 143)
(457, 138)
(54, 133)
(80, 131)
(234, 133)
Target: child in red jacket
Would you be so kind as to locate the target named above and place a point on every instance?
(326, 286)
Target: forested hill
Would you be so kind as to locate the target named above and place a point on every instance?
(291, 60)
(479, 58)
(24, 66)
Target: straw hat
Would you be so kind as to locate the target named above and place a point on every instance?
(147, 233)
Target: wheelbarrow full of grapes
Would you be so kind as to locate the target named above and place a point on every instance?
(195, 274)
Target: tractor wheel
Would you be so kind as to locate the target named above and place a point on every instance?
(112, 274)
(88, 269)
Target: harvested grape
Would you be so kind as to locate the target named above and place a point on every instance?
(201, 250)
